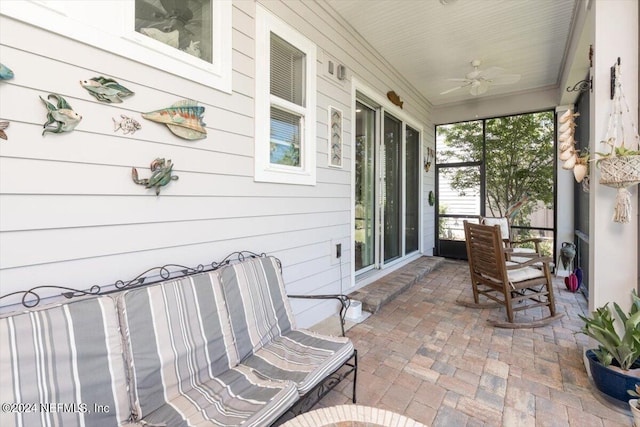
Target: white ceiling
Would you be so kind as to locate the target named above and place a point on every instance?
(429, 41)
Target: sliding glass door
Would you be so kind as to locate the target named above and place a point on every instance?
(392, 190)
(412, 190)
(365, 147)
(387, 187)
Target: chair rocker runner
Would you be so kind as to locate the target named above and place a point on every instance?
(516, 286)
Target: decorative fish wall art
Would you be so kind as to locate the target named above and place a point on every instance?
(3, 125)
(106, 90)
(61, 114)
(127, 124)
(160, 175)
(184, 119)
(5, 72)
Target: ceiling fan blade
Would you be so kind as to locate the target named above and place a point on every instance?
(459, 80)
(491, 73)
(506, 79)
(454, 89)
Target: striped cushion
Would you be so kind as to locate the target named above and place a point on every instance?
(181, 354)
(301, 356)
(264, 332)
(235, 397)
(522, 274)
(65, 353)
(258, 305)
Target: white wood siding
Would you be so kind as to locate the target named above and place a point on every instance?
(70, 214)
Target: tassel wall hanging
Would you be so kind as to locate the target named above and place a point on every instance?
(620, 166)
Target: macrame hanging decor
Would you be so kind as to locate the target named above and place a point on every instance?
(620, 166)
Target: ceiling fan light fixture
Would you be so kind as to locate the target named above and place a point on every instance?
(478, 81)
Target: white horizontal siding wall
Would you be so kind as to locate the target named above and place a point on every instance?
(71, 216)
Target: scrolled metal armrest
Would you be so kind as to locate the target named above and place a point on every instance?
(345, 302)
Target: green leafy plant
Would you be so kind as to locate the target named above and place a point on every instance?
(636, 393)
(617, 151)
(601, 326)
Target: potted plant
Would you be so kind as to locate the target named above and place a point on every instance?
(634, 404)
(614, 365)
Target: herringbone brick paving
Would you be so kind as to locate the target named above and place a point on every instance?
(424, 356)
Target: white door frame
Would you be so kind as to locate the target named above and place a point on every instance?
(380, 269)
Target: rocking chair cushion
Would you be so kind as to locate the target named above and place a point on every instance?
(519, 275)
(502, 222)
(522, 274)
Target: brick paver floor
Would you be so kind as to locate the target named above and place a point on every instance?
(427, 357)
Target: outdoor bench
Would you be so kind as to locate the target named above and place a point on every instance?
(215, 346)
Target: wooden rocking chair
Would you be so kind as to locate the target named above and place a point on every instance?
(515, 285)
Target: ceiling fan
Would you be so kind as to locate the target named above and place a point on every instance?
(478, 81)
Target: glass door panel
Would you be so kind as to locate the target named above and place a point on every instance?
(412, 189)
(365, 187)
(391, 196)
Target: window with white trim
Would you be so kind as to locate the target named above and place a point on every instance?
(192, 41)
(285, 145)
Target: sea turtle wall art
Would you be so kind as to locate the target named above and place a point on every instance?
(160, 175)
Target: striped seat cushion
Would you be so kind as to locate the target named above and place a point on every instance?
(301, 356)
(258, 305)
(233, 398)
(264, 331)
(65, 354)
(181, 354)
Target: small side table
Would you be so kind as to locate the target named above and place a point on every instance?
(351, 416)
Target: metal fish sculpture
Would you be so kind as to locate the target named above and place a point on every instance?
(160, 175)
(3, 126)
(5, 72)
(106, 90)
(61, 114)
(395, 98)
(127, 124)
(513, 210)
(184, 119)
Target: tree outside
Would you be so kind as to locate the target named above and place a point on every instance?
(519, 169)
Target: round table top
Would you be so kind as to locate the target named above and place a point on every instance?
(351, 416)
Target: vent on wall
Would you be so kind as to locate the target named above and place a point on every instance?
(332, 69)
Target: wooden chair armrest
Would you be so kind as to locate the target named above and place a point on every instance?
(535, 259)
(534, 240)
(345, 302)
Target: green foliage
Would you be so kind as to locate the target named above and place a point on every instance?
(442, 209)
(635, 393)
(601, 326)
(619, 152)
(519, 160)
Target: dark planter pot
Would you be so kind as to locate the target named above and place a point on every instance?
(612, 382)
